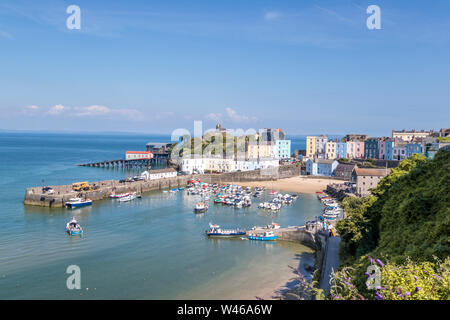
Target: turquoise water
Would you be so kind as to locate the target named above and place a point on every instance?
(151, 248)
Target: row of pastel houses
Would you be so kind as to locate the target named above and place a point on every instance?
(400, 146)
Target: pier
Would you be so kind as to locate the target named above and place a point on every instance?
(121, 163)
(37, 196)
(294, 234)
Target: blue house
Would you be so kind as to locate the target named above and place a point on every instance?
(371, 150)
(341, 150)
(412, 148)
(311, 167)
(389, 150)
(321, 167)
(283, 149)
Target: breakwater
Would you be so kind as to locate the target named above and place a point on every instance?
(102, 189)
(313, 238)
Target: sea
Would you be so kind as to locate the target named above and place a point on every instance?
(151, 248)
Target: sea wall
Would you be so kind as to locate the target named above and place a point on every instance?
(35, 196)
(313, 238)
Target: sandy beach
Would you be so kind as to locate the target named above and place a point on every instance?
(295, 184)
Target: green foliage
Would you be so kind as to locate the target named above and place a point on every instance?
(409, 281)
(406, 215)
(443, 139)
(214, 143)
(406, 220)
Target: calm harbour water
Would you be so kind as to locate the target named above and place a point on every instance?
(151, 248)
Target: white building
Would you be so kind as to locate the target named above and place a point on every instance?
(196, 164)
(216, 164)
(159, 174)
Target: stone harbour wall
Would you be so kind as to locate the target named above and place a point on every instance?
(35, 196)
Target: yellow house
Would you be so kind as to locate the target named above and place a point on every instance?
(311, 146)
(330, 149)
(261, 149)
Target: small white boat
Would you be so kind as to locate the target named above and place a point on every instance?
(118, 196)
(128, 198)
(273, 226)
(73, 228)
(200, 207)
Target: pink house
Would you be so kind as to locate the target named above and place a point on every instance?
(355, 149)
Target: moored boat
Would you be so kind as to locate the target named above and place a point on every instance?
(273, 225)
(130, 197)
(216, 231)
(200, 207)
(266, 236)
(118, 196)
(78, 203)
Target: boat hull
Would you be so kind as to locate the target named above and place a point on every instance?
(75, 232)
(260, 238)
(78, 205)
(220, 235)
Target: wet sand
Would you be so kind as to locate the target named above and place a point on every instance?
(298, 184)
(262, 278)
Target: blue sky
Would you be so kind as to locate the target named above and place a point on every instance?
(154, 66)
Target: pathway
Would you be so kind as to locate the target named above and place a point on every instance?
(330, 263)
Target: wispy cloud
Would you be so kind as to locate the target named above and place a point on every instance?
(92, 111)
(336, 15)
(272, 15)
(230, 116)
(57, 110)
(164, 115)
(5, 34)
(214, 116)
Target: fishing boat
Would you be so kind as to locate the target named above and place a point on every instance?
(130, 197)
(327, 218)
(216, 231)
(200, 207)
(266, 236)
(118, 196)
(78, 203)
(273, 225)
(73, 228)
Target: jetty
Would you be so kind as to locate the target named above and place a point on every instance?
(59, 195)
(121, 163)
(293, 233)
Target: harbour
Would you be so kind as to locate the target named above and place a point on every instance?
(157, 237)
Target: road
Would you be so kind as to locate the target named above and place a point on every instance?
(330, 263)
